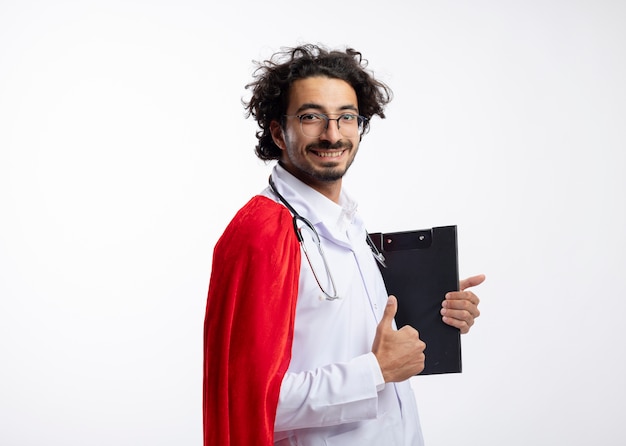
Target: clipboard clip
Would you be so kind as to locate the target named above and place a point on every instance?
(380, 258)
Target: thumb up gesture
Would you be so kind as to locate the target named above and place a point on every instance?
(400, 353)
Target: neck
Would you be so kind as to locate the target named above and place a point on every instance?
(332, 192)
(331, 189)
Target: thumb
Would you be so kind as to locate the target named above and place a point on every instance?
(471, 281)
(390, 311)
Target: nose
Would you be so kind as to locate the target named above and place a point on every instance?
(331, 133)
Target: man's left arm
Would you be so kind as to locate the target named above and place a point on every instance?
(460, 308)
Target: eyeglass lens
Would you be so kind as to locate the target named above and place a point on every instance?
(314, 124)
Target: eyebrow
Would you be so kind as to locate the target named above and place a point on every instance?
(314, 106)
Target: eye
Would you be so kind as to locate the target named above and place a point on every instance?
(348, 117)
(311, 118)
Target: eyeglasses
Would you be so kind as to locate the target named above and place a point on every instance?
(305, 231)
(314, 124)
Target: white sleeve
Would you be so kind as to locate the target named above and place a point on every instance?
(330, 395)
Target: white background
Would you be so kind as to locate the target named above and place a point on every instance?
(124, 152)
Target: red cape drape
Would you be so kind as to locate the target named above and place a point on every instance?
(248, 330)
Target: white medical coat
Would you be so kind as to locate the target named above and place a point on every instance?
(333, 392)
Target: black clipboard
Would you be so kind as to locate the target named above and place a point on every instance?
(422, 266)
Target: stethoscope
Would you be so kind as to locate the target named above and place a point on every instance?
(297, 218)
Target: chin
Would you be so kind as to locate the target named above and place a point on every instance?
(329, 174)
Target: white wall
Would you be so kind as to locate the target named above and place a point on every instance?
(124, 152)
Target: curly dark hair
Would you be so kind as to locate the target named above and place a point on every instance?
(274, 77)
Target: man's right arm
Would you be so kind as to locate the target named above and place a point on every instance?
(348, 392)
(330, 395)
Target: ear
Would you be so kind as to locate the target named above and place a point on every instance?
(277, 134)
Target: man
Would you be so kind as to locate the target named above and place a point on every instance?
(300, 342)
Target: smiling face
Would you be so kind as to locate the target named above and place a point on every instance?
(322, 161)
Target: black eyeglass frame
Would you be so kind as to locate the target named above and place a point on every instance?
(361, 121)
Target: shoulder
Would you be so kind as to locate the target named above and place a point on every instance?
(260, 215)
(258, 220)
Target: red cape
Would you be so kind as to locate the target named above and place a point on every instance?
(248, 329)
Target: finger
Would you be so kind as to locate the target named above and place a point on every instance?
(462, 314)
(461, 319)
(463, 325)
(463, 301)
(462, 296)
(471, 281)
(390, 312)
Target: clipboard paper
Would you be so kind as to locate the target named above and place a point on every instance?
(422, 266)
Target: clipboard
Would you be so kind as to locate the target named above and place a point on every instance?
(421, 267)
